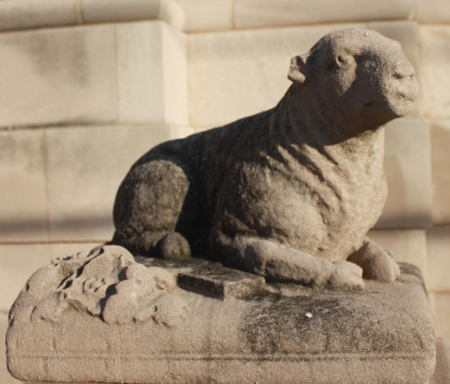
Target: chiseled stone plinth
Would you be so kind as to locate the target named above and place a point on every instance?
(102, 317)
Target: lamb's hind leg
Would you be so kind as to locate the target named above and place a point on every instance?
(278, 263)
(154, 209)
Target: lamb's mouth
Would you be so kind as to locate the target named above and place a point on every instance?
(402, 99)
(389, 110)
(372, 104)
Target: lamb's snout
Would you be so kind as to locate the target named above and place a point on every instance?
(405, 86)
(404, 70)
(398, 87)
(401, 68)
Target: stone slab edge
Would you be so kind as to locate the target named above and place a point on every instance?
(206, 369)
(31, 14)
(82, 348)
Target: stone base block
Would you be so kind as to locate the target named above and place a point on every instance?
(102, 317)
(442, 372)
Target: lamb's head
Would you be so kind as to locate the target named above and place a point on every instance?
(357, 77)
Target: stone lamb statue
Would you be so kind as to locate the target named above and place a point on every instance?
(289, 193)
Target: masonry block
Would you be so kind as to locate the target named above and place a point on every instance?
(433, 11)
(151, 74)
(440, 160)
(23, 14)
(99, 11)
(85, 169)
(442, 372)
(23, 200)
(442, 322)
(439, 259)
(58, 76)
(434, 75)
(207, 15)
(270, 13)
(408, 170)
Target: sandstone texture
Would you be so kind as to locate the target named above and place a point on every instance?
(288, 194)
(101, 317)
(28, 14)
(441, 374)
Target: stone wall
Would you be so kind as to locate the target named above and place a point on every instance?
(86, 88)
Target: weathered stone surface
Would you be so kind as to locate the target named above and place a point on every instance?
(269, 13)
(45, 83)
(442, 314)
(97, 11)
(5, 376)
(433, 11)
(210, 279)
(438, 259)
(85, 167)
(101, 317)
(103, 78)
(440, 161)
(19, 261)
(290, 193)
(23, 200)
(159, 95)
(441, 374)
(216, 15)
(434, 75)
(207, 15)
(407, 164)
(24, 14)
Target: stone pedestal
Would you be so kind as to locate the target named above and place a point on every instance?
(102, 317)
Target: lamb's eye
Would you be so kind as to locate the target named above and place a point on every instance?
(341, 60)
(337, 62)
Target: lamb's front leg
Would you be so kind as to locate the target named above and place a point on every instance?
(278, 263)
(375, 262)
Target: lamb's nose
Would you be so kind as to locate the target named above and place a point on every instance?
(406, 85)
(403, 70)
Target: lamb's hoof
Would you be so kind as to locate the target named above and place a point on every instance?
(376, 263)
(346, 277)
(382, 267)
(174, 246)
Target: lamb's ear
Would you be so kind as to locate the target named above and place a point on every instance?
(297, 70)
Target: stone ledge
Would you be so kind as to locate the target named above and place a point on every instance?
(245, 370)
(30, 14)
(270, 13)
(220, 15)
